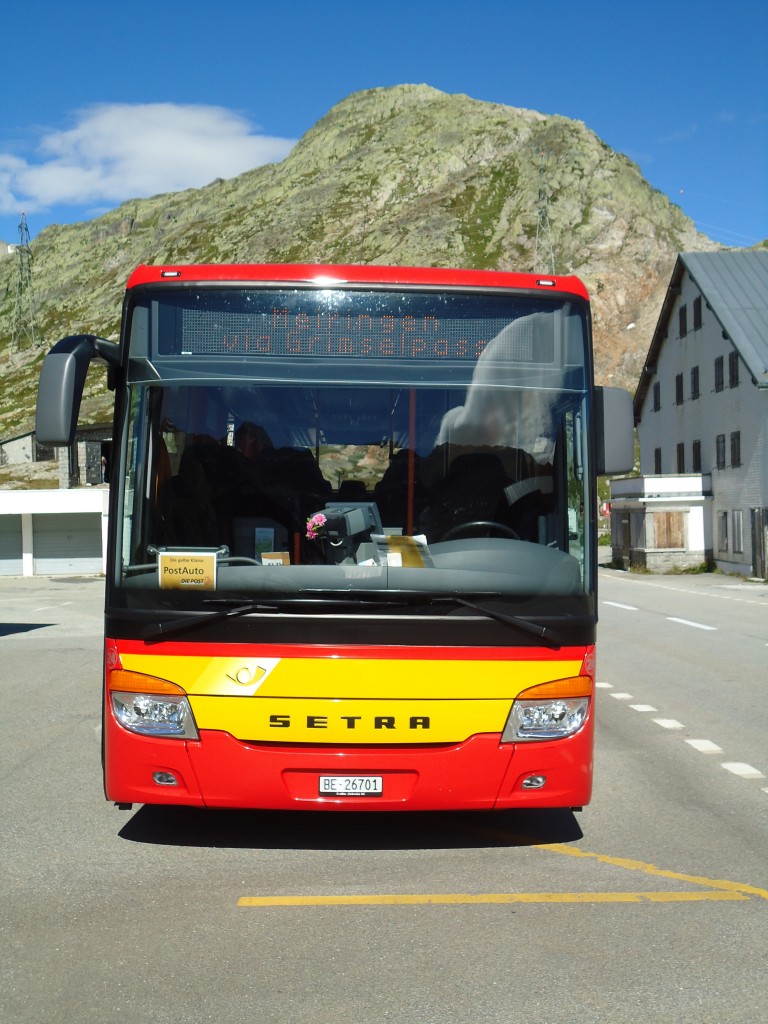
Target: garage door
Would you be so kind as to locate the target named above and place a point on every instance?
(67, 544)
(10, 546)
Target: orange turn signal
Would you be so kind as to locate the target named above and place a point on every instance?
(575, 686)
(137, 682)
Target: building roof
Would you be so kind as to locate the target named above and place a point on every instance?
(735, 287)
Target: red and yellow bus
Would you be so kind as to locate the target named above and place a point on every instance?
(352, 536)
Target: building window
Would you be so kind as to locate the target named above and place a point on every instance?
(719, 378)
(694, 382)
(656, 396)
(738, 542)
(720, 451)
(733, 369)
(736, 448)
(683, 315)
(722, 531)
(696, 457)
(657, 461)
(697, 313)
(681, 458)
(679, 389)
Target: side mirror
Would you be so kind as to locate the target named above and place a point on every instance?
(60, 389)
(614, 424)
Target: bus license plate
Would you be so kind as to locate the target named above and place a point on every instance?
(351, 785)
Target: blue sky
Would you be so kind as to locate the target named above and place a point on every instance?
(103, 102)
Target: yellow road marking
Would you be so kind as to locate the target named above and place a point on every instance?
(412, 899)
(623, 862)
(650, 869)
(717, 889)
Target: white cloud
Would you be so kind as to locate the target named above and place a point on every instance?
(683, 134)
(122, 151)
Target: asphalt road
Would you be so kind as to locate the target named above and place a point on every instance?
(651, 905)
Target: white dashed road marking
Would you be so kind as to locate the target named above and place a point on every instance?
(705, 746)
(687, 622)
(739, 768)
(745, 771)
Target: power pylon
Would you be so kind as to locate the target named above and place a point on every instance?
(543, 230)
(24, 312)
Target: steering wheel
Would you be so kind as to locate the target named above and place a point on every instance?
(480, 524)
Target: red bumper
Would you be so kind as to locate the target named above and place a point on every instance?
(220, 771)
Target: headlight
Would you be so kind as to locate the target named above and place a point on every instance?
(150, 706)
(549, 711)
(154, 714)
(532, 720)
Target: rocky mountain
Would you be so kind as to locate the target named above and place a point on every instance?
(403, 175)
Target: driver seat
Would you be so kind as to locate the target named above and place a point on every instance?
(471, 491)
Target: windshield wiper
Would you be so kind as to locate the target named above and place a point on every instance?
(542, 633)
(313, 600)
(165, 629)
(231, 608)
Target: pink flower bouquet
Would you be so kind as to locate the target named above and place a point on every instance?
(315, 525)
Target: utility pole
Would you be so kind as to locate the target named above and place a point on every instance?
(24, 312)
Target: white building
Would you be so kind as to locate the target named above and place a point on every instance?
(701, 410)
(57, 532)
(18, 450)
(53, 532)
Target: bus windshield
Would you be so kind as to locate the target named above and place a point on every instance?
(299, 441)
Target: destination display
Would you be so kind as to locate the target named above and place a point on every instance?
(245, 326)
(327, 334)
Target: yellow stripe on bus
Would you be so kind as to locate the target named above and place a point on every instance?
(359, 678)
(313, 720)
